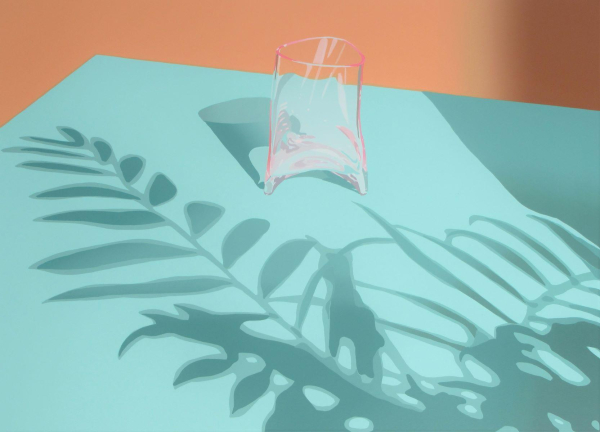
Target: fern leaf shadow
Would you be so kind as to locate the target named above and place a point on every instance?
(242, 126)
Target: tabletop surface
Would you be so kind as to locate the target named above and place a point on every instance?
(150, 285)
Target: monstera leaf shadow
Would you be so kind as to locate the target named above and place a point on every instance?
(522, 379)
(242, 126)
(349, 383)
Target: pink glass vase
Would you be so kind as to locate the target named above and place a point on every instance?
(315, 112)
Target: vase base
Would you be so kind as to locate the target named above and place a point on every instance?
(357, 181)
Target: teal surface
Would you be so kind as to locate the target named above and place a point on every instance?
(398, 310)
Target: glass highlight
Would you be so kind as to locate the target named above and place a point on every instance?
(315, 112)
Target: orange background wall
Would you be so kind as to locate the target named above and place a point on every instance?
(541, 51)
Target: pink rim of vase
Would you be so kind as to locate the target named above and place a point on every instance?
(360, 63)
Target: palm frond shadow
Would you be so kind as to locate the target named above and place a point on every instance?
(363, 368)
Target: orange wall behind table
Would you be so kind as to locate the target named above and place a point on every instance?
(540, 51)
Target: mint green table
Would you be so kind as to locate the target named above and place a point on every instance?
(150, 285)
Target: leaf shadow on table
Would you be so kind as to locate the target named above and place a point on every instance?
(242, 126)
(359, 390)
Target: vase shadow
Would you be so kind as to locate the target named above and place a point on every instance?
(242, 126)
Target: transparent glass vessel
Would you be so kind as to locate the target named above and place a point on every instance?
(315, 112)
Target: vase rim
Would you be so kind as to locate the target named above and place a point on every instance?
(318, 64)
